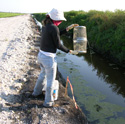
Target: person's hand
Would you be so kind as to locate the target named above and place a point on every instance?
(73, 52)
(71, 26)
(70, 51)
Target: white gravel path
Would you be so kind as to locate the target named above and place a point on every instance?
(14, 46)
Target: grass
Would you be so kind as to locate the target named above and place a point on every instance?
(7, 14)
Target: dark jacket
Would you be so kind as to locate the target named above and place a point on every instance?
(50, 39)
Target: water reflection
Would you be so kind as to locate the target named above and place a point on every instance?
(106, 71)
(110, 74)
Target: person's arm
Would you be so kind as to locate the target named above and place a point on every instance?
(68, 28)
(71, 26)
(63, 32)
(56, 39)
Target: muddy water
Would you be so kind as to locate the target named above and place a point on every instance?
(99, 85)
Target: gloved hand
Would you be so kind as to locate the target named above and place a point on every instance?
(71, 26)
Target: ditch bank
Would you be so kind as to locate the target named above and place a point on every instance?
(18, 81)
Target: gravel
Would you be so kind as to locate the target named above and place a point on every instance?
(15, 33)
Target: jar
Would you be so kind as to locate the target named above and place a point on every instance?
(80, 39)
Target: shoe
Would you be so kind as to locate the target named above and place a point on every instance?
(50, 106)
(40, 96)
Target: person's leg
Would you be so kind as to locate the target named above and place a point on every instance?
(41, 81)
(51, 75)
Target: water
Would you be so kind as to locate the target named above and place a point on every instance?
(99, 85)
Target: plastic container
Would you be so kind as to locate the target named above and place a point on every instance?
(55, 89)
(80, 39)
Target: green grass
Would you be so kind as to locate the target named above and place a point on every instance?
(6, 14)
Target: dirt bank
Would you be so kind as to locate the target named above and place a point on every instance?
(19, 71)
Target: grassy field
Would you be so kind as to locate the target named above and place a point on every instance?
(6, 14)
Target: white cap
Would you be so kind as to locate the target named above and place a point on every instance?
(56, 14)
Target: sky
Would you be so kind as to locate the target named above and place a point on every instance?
(40, 6)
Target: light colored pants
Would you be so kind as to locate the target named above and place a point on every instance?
(47, 75)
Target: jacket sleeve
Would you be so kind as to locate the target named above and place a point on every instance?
(56, 39)
(63, 32)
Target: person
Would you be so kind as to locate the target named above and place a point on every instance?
(50, 42)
